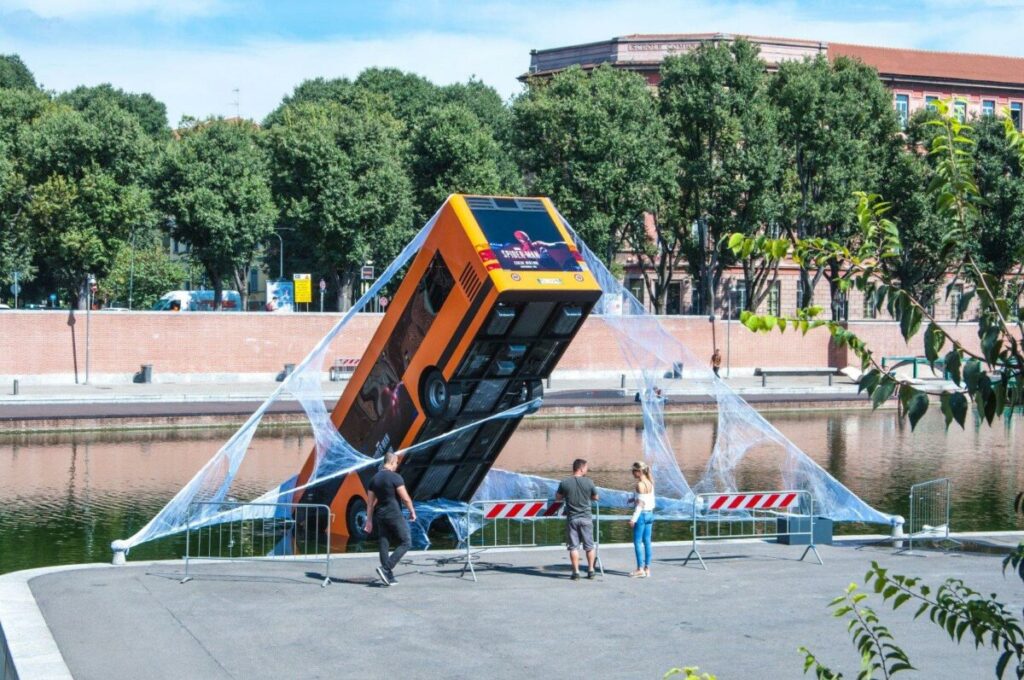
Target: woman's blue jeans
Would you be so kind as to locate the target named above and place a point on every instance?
(642, 539)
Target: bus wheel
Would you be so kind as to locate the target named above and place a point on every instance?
(355, 518)
(434, 393)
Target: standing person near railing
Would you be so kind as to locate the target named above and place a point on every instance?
(385, 491)
(578, 492)
(642, 520)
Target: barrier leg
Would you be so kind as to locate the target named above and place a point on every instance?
(693, 549)
(811, 548)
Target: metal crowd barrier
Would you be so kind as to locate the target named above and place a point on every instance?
(235, 531)
(513, 524)
(753, 514)
(929, 511)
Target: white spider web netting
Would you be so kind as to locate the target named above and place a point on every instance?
(649, 353)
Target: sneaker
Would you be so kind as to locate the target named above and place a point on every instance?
(591, 575)
(383, 576)
(391, 578)
(575, 576)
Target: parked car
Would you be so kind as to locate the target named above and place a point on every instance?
(3, 306)
(197, 301)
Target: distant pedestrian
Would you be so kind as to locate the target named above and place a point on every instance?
(272, 305)
(386, 490)
(642, 520)
(716, 361)
(578, 492)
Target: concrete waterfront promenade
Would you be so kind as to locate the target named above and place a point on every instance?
(212, 403)
(744, 618)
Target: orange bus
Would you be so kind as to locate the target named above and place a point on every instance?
(489, 304)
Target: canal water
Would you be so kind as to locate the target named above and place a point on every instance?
(64, 497)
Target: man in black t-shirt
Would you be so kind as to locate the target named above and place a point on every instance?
(578, 491)
(386, 489)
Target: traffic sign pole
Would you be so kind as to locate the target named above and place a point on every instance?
(17, 289)
(323, 287)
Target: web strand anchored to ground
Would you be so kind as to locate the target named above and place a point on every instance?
(649, 353)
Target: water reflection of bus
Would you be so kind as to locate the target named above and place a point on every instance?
(486, 310)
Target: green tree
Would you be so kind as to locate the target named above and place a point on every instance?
(839, 131)
(86, 191)
(215, 185)
(594, 143)
(141, 272)
(151, 114)
(341, 185)
(998, 233)
(991, 375)
(454, 152)
(714, 103)
(15, 244)
(14, 74)
(315, 91)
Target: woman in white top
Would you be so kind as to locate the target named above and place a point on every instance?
(643, 518)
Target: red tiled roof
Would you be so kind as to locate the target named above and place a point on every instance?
(941, 65)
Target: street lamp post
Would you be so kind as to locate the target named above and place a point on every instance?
(280, 257)
(131, 274)
(88, 315)
(728, 333)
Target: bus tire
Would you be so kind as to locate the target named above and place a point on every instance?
(355, 519)
(435, 395)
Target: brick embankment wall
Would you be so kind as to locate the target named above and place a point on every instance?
(42, 347)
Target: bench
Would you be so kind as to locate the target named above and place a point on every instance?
(765, 372)
(892, 363)
(343, 366)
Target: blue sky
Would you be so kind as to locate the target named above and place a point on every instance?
(193, 54)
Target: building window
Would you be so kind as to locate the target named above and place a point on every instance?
(929, 102)
(254, 280)
(903, 109)
(738, 299)
(869, 306)
(673, 304)
(956, 294)
(988, 107)
(1015, 114)
(842, 304)
(775, 300)
(695, 300)
(960, 110)
(636, 288)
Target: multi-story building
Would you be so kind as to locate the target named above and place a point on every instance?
(983, 84)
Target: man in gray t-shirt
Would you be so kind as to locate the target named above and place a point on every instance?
(578, 492)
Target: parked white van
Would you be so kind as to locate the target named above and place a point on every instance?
(198, 301)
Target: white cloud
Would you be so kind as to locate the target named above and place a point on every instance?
(84, 9)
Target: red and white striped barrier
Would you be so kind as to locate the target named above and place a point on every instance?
(752, 501)
(784, 515)
(523, 509)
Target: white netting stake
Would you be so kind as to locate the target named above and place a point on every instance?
(120, 548)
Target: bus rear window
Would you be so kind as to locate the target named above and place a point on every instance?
(525, 240)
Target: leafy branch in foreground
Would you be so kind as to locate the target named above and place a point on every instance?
(953, 607)
(875, 643)
(991, 375)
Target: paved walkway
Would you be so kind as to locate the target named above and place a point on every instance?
(57, 402)
(744, 618)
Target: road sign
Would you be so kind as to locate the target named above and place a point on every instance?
(366, 273)
(303, 288)
(15, 289)
(323, 285)
(383, 301)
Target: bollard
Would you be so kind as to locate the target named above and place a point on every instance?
(15, 388)
(548, 386)
(622, 381)
(897, 531)
(120, 551)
